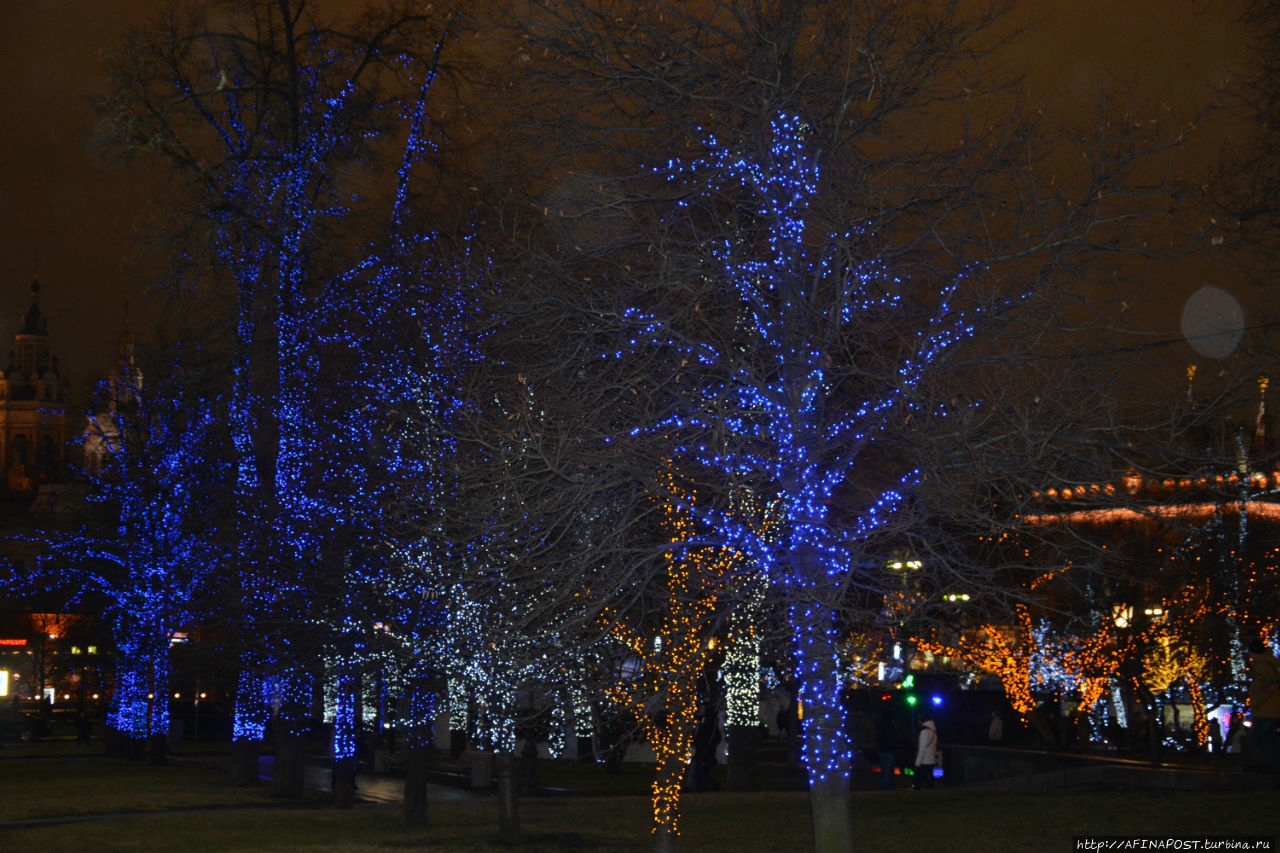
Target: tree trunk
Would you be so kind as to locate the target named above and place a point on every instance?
(832, 822)
(344, 782)
(826, 747)
(418, 740)
(346, 734)
(290, 766)
(415, 784)
(116, 743)
(1044, 731)
(664, 841)
(1199, 718)
(243, 769)
(508, 813)
(529, 768)
(158, 748)
(1173, 709)
(586, 750)
(742, 758)
(1155, 735)
(673, 754)
(457, 743)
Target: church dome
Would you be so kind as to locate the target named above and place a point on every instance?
(34, 323)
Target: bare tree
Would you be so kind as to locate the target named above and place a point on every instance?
(819, 234)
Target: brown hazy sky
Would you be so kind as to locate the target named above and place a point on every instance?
(74, 220)
(57, 210)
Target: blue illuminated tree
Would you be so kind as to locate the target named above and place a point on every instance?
(827, 235)
(829, 372)
(787, 412)
(298, 146)
(399, 339)
(147, 554)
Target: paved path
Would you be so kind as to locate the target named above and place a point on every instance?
(318, 778)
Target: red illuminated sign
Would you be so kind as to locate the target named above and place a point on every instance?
(4, 642)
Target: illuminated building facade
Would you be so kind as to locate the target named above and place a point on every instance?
(53, 658)
(34, 421)
(1146, 591)
(102, 435)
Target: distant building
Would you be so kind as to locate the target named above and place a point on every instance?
(102, 434)
(34, 422)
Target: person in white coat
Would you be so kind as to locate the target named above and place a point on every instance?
(926, 755)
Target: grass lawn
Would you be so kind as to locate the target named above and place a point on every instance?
(58, 786)
(903, 820)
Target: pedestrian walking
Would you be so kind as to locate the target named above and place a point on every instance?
(1215, 736)
(995, 731)
(886, 743)
(926, 755)
(783, 720)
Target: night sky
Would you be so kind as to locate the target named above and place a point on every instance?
(72, 221)
(59, 212)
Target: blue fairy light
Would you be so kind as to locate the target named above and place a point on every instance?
(775, 397)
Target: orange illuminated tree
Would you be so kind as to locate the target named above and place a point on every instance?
(664, 694)
(1003, 651)
(1169, 662)
(1029, 656)
(1090, 660)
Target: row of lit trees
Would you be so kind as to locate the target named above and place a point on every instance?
(329, 326)
(818, 302)
(1156, 620)
(742, 266)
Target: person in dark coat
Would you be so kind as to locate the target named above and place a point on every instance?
(886, 743)
(706, 737)
(1215, 736)
(783, 720)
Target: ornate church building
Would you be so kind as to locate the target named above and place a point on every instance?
(34, 422)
